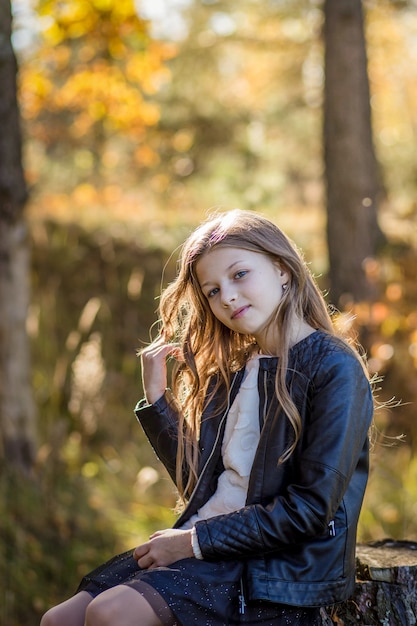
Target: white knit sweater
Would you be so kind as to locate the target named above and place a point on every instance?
(241, 438)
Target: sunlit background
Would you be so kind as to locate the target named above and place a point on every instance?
(138, 119)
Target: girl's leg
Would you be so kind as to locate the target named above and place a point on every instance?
(123, 606)
(69, 613)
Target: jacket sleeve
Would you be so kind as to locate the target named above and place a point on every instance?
(160, 424)
(332, 453)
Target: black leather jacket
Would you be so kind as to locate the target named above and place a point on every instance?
(297, 532)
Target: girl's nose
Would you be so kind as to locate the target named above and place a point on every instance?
(228, 297)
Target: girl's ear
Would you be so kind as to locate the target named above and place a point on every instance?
(284, 275)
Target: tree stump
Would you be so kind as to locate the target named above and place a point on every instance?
(386, 587)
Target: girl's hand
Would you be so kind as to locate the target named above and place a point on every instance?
(163, 548)
(154, 369)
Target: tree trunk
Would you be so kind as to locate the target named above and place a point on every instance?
(386, 591)
(17, 413)
(351, 170)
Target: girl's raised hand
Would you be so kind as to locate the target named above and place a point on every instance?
(154, 369)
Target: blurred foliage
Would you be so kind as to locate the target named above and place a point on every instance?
(97, 488)
(129, 139)
(92, 76)
(235, 99)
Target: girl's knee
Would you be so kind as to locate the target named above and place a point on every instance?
(96, 613)
(105, 610)
(45, 621)
(51, 618)
(120, 605)
(68, 613)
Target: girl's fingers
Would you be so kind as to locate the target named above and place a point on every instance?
(139, 552)
(178, 354)
(157, 533)
(145, 562)
(159, 349)
(154, 368)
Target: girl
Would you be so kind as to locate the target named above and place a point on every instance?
(265, 434)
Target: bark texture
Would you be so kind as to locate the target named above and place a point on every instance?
(17, 413)
(386, 586)
(351, 169)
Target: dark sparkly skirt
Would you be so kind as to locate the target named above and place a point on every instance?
(193, 592)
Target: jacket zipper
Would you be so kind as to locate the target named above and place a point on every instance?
(241, 597)
(265, 398)
(215, 443)
(242, 602)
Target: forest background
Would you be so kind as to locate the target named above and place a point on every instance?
(138, 120)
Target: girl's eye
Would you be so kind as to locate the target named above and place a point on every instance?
(212, 292)
(240, 274)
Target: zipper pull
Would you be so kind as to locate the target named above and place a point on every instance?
(332, 529)
(242, 603)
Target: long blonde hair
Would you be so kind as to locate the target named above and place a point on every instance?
(209, 347)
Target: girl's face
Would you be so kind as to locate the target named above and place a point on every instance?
(243, 289)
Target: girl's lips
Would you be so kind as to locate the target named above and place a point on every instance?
(239, 312)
